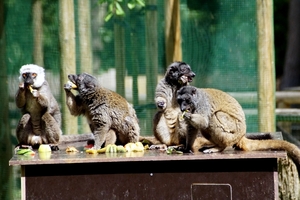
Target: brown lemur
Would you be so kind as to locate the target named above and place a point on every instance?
(111, 118)
(41, 118)
(221, 120)
(168, 129)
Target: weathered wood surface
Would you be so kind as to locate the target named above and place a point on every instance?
(60, 157)
(288, 180)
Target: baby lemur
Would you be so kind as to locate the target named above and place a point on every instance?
(221, 120)
(41, 118)
(111, 118)
(168, 129)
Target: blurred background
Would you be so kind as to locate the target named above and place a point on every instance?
(128, 44)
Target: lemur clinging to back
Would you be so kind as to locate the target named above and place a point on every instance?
(168, 126)
(168, 129)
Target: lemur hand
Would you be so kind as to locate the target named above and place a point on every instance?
(69, 86)
(161, 103)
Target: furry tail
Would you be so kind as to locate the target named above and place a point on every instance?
(256, 145)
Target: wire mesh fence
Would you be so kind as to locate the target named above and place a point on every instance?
(218, 40)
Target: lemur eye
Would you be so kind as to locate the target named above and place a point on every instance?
(183, 69)
(188, 100)
(34, 75)
(24, 75)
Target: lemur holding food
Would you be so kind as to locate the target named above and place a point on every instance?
(41, 118)
(221, 120)
(111, 118)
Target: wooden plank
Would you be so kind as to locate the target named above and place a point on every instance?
(288, 97)
(154, 179)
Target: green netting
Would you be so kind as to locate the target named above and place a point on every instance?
(218, 41)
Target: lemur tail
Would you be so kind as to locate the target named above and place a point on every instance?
(256, 145)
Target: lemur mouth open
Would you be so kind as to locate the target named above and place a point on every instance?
(185, 79)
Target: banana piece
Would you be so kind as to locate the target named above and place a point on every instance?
(146, 147)
(129, 146)
(73, 86)
(91, 151)
(30, 88)
(103, 150)
(134, 147)
(71, 149)
(138, 147)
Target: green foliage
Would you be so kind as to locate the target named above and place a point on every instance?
(115, 7)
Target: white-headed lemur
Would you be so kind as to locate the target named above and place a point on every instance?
(41, 118)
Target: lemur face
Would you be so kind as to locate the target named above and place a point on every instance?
(32, 75)
(179, 73)
(83, 81)
(185, 98)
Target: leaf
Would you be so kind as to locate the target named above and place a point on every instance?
(110, 7)
(141, 2)
(102, 1)
(131, 5)
(119, 10)
(108, 16)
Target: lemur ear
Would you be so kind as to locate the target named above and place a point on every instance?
(172, 68)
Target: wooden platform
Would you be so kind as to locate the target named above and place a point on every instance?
(150, 175)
